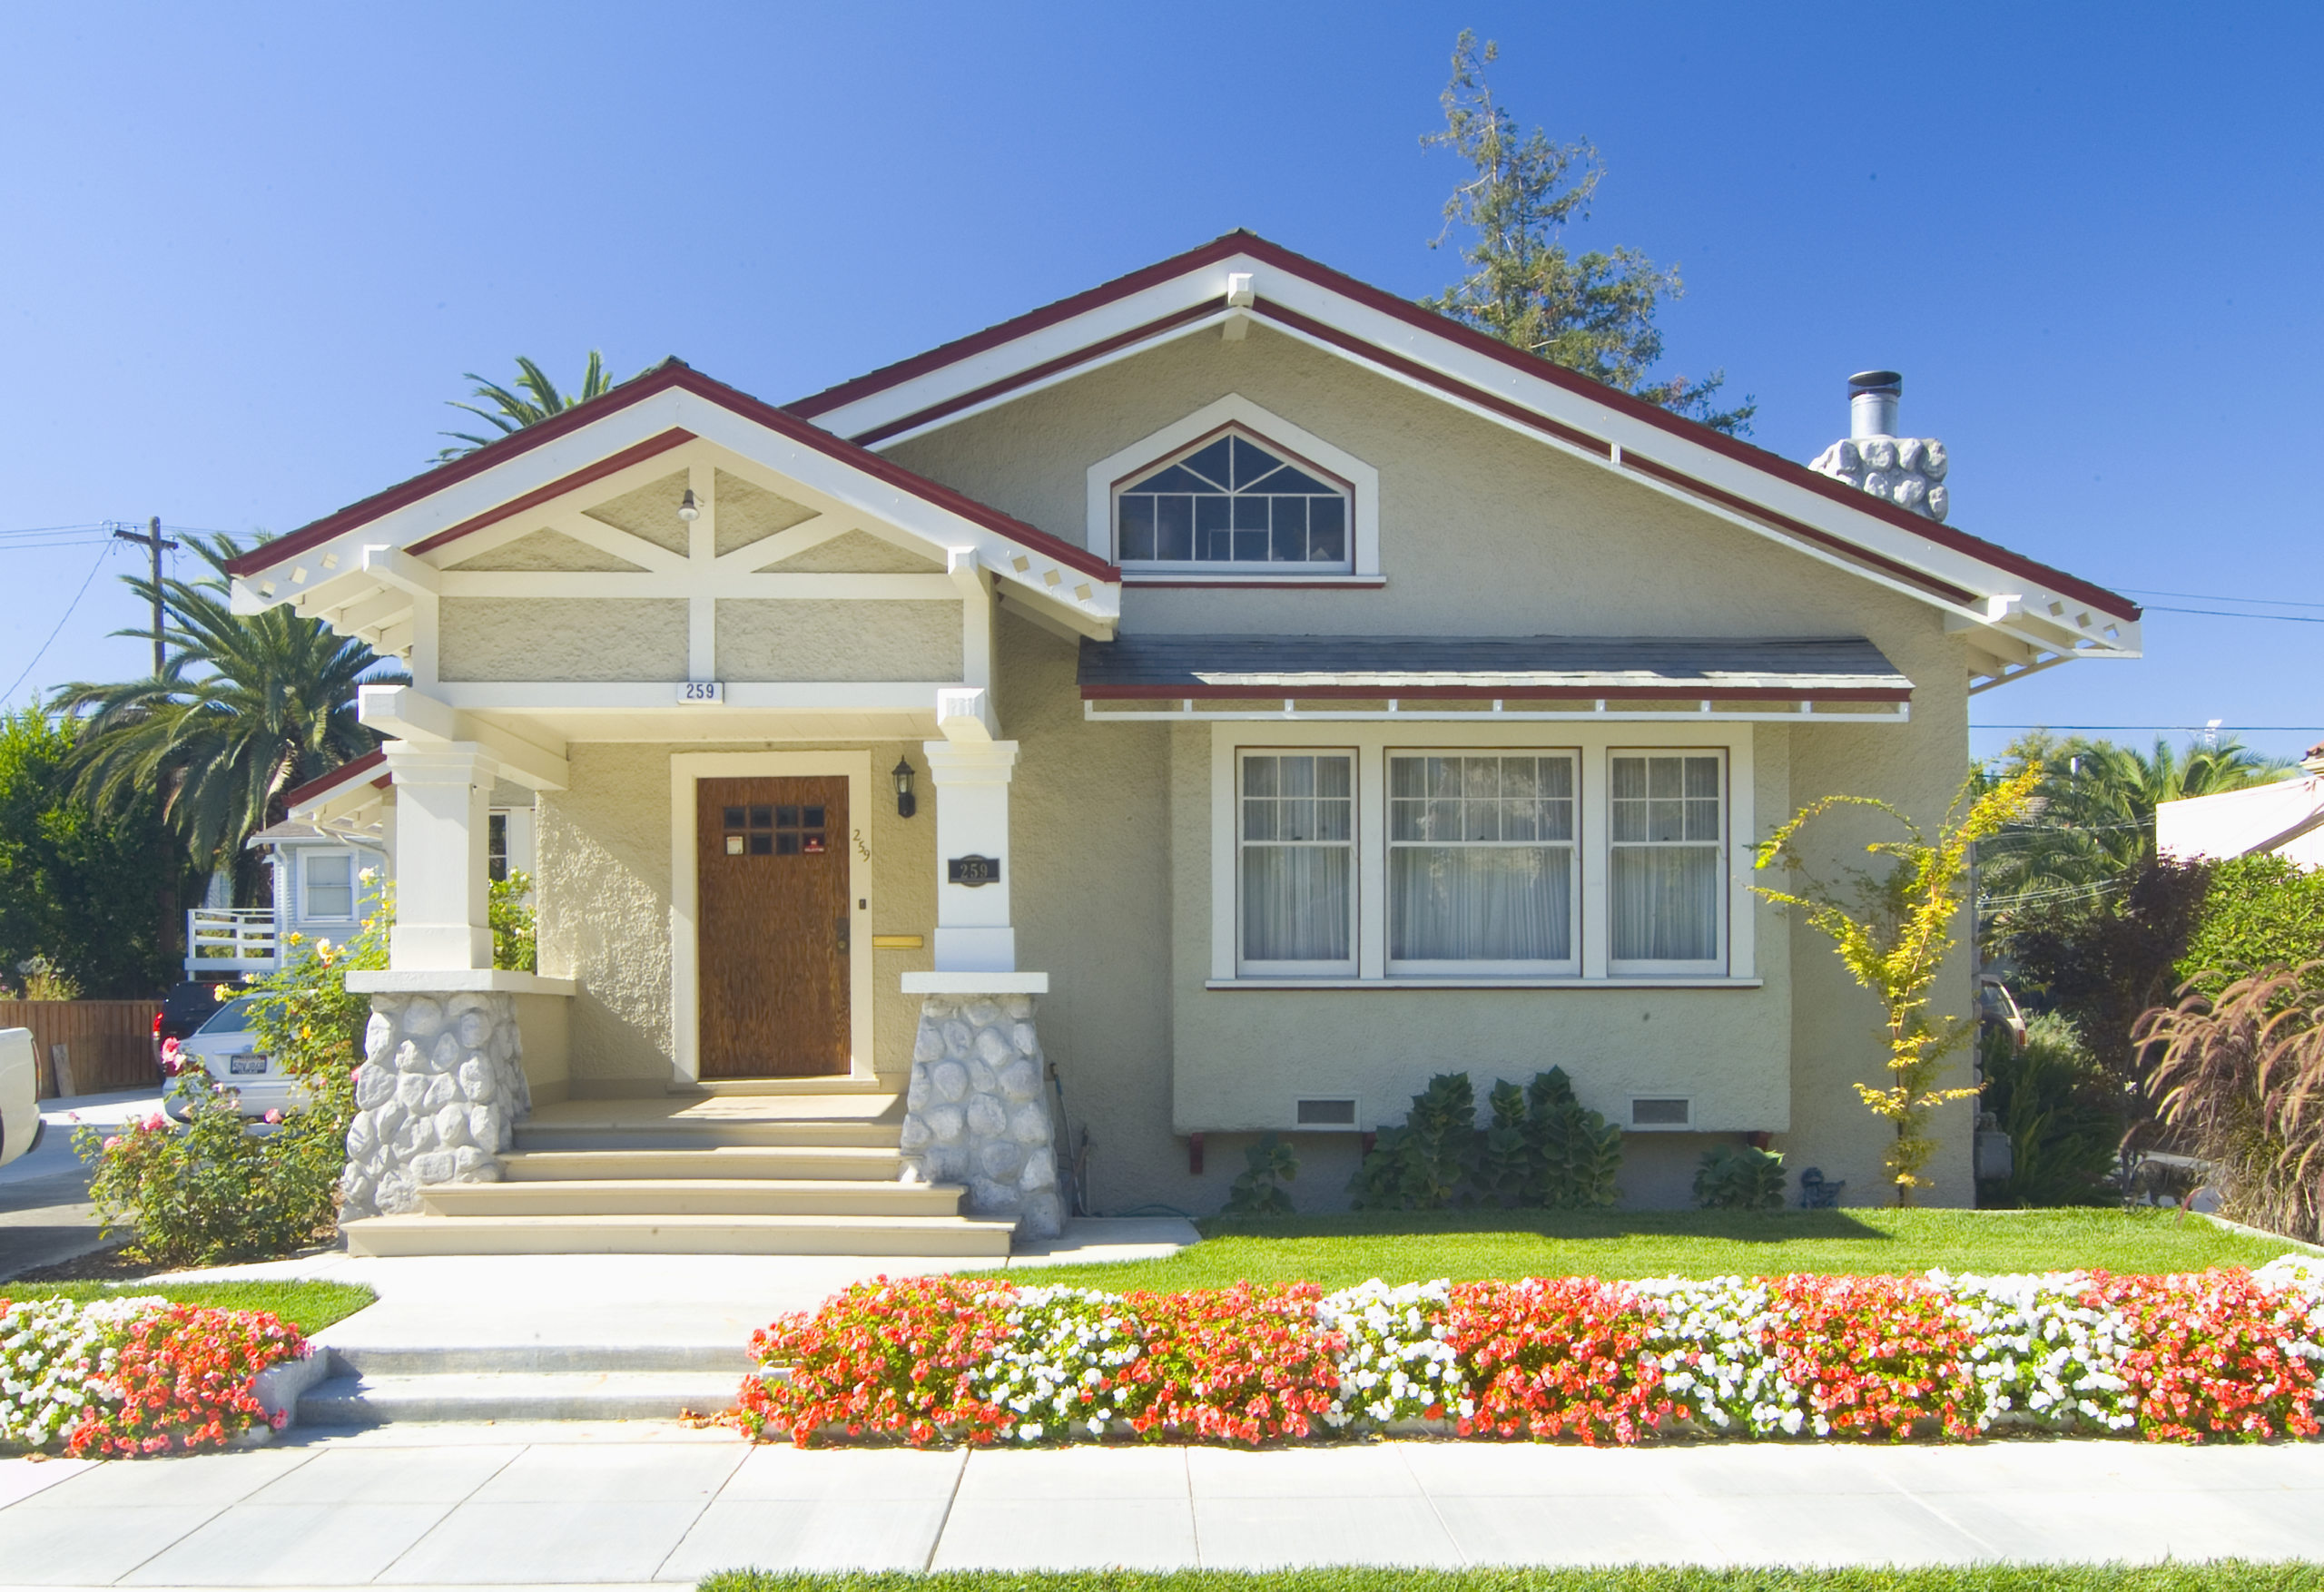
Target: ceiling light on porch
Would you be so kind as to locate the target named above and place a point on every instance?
(688, 510)
(905, 804)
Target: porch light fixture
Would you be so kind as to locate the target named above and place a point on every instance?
(905, 805)
(688, 510)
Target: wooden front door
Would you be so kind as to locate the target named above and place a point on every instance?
(772, 927)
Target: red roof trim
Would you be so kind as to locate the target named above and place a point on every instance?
(959, 349)
(661, 378)
(346, 773)
(1040, 372)
(612, 464)
(1476, 342)
(1274, 693)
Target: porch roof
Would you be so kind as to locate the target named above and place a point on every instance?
(1709, 669)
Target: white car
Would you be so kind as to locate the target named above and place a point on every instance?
(224, 1051)
(19, 1121)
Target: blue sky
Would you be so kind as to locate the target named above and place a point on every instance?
(250, 250)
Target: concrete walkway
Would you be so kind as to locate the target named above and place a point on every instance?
(652, 1505)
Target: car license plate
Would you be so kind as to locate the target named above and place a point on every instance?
(239, 1065)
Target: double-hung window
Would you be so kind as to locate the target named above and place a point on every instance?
(1481, 863)
(1667, 882)
(330, 881)
(1296, 868)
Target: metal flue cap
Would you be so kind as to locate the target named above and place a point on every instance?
(1887, 381)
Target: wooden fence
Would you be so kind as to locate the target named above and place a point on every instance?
(102, 1044)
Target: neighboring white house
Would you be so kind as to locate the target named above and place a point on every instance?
(2286, 818)
(340, 826)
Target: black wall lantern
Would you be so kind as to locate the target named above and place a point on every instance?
(905, 804)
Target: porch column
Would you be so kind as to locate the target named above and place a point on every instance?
(973, 931)
(442, 836)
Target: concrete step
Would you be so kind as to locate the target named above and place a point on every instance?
(747, 1132)
(694, 1196)
(849, 1163)
(625, 1395)
(377, 1361)
(922, 1236)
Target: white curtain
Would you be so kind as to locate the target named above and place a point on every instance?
(1481, 903)
(1666, 903)
(1295, 904)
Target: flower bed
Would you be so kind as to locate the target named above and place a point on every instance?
(132, 1376)
(2217, 1355)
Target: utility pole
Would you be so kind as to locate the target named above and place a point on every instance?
(152, 539)
(166, 899)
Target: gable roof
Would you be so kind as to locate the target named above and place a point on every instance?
(671, 375)
(2047, 609)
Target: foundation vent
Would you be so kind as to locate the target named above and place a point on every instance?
(1326, 1114)
(1661, 1111)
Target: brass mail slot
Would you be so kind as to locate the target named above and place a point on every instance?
(897, 942)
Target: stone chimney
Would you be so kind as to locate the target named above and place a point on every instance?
(1909, 471)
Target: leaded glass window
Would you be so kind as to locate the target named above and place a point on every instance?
(1230, 503)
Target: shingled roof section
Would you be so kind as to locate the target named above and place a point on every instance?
(1841, 668)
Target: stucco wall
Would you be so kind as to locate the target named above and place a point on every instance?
(1482, 531)
(604, 905)
(837, 639)
(561, 638)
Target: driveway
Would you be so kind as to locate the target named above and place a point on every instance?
(46, 1216)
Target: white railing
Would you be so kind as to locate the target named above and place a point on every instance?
(230, 940)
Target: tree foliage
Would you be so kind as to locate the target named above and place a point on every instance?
(1894, 930)
(1591, 312)
(534, 398)
(80, 894)
(2063, 1114)
(247, 709)
(2261, 913)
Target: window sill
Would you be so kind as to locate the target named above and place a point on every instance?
(1256, 582)
(1670, 981)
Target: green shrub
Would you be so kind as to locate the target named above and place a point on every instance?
(510, 911)
(1739, 1177)
(2064, 1118)
(1259, 1191)
(1577, 1152)
(1543, 1149)
(2261, 912)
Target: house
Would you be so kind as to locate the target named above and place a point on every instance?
(1208, 705)
(341, 826)
(2286, 818)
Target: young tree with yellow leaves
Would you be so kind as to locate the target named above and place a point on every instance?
(1893, 928)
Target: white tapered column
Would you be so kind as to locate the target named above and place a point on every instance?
(442, 888)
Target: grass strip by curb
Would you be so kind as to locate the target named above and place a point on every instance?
(308, 1307)
(2222, 1576)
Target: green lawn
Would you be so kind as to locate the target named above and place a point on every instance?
(307, 1306)
(2222, 1576)
(1415, 1246)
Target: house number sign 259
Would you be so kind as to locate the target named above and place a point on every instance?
(701, 691)
(973, 871)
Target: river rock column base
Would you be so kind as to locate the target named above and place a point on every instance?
(436, 1099)
(979, 1113)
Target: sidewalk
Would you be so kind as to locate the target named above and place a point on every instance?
(625, 1505)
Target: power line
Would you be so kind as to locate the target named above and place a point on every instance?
(2191, 729)
(2230, 613)
(53, 634)
(2214, 597)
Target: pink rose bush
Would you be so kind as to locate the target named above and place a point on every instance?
(132, 1376)
(2222, 1355)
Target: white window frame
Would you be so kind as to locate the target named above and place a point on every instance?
(1125, 465)
(1411, 967)
(307, 857)
(1316, 969)
(1594, 744)
(1648, 967)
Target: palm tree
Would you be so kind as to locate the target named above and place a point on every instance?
(2094, 827)
(536, 399)
(245, 710)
